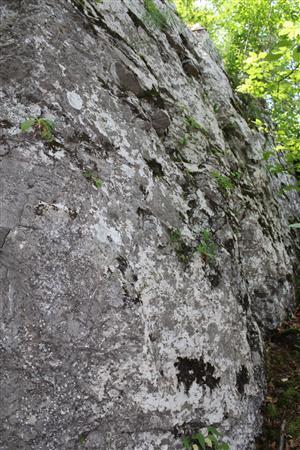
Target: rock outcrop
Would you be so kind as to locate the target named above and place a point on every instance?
(144, 247)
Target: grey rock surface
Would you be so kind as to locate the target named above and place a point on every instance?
(116, 333)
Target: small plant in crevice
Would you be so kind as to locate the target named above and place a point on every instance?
(207, 247)
(193, 125)
(92, 178)
(235, 175)
(41, 126)
(183, 140)
(183, 251)
(209, 441)
(175, 235)
(154, 16)
(223, 181)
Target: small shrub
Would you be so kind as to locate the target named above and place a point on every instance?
(212, 440)
(154, 15)
(207, 247)
(42, 127)
(223, 181)
(271, 411)
(236, 175)
(183, 140)
(175, 235)
(193, 125)
(294, 428)
(93, 178)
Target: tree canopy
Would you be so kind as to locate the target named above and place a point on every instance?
(259, 41)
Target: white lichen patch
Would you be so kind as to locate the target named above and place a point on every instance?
(106, 233)
(75, 100)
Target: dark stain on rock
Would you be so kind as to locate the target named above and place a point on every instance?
(122, 264)
(160, 122)
(155, 167)
(253, 337)
(143, 212)
(129, 299)
(5, 124)
(214, 278)
(260, 294)
(40, 209)
(190, 68)
(266, 227)
(192, 204)
(183, 251)
(229, 245)
(3, 235)
(128, 80)
(153, 97)
(72, 213)
(244, 301)
(190, 370)
(242, 378)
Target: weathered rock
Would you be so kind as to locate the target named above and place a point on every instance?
(116, 333)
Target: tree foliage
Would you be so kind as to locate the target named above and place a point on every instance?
(260, 44)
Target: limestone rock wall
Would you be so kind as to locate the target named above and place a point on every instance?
(116, 332)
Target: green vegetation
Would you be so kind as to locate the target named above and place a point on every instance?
(182, 250)
(294, 428)
(193, 125)
(207, 247)
(210, 440)
(82, 439)
(175, 235)
(42, 127)
(271, 411)
(259, 41)
(154, 15)
(283, 380)
(183, 141)
(223, 181)
(92, 178)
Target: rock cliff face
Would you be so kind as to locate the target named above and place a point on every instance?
(144, 250)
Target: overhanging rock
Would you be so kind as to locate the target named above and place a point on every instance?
(144, 249)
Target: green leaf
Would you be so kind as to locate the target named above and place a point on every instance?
(186, 443)
(296, 54)
(201, 440)
(295, 225)
(27, 124)
(97, 182)
(208, 442)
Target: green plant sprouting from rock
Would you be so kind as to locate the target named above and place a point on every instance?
(175, 235)
(154, 16)
(193, 125)
(223, 181)
(208, 441)
(89, 175)
(207, 247)
(41, 126)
